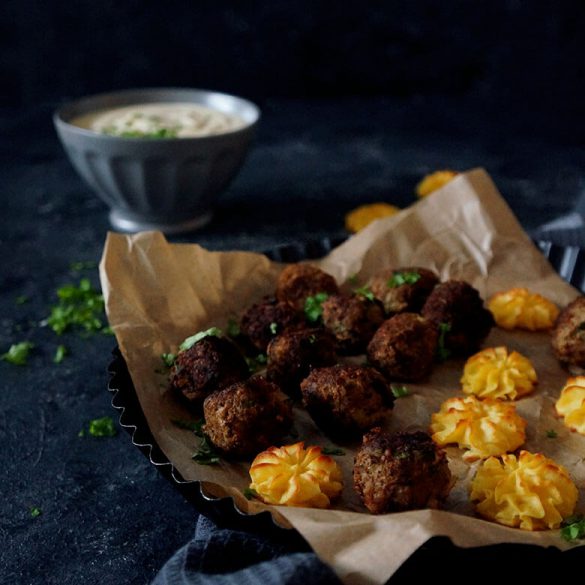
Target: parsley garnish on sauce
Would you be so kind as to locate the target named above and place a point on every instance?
(313, 308)
(573, 528)
(400, 278)
(79, 306)
(398, 390)
(18, 353)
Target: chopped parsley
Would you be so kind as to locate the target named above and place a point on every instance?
(399, 390)
(353, 279)
(364, 291)
(443, 352)
(573, 528)
(78, 307)
(60, 354)
(250, 493)
(18, 353)
(100, 427)
(313, 308)
(551, 434)
(191, 341)
(160, 133)
(332, 451)
(21, 299)
(35, 512)
(400, 278)
(195, 426)
(273, 328)
(168, 359)
(206, 453)
(256, 363)
(233, 329)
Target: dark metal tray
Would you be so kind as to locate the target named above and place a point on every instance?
(568, 261)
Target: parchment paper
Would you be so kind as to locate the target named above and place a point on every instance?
(158, 293)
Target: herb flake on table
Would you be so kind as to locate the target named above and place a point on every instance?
(18, 353)
(21, 299)
(60, 354)
(313, 306)
(573, 528)
(35, 512)
(399, 390)
(100, 427)
(79, 307)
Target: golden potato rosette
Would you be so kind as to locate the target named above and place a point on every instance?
(434, 181)
(496, 373)
(483, 427)
(531, 491)
(518, 308)
(295, 476)
(571, 404)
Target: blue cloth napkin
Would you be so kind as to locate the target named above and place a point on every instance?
(217, 556)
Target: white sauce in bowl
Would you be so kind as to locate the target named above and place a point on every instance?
(160, 120)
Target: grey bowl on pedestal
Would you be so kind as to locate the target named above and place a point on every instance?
(166, 184)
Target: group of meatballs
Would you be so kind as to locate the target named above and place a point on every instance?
(402, 320)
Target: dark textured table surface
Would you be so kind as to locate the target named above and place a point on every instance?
(107, 515)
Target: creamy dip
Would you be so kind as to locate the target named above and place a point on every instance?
(159, 120)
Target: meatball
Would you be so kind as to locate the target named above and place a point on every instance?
(264, 320)
(457, 307)
(403, 289)
(292, 355)
(299, 281)
(210, 364)
(404, 347)
(345, 400)
(568, 334)
(400, 471)
(353, 320)
(247, 417)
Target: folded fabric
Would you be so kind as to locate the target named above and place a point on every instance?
(228, 557)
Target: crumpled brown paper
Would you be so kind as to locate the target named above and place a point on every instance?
(158, 293)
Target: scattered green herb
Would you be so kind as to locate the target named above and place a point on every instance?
(168, 359)
(551, 434)
(400, 278)
(35, 512)
(364, 291)
(256, 363)
(353, 279)
(60, 354)
(195, 426)
(332, 451)
(573, 528)
(18, 353)
(443, 352)
(83, 265)
(312, 338)
(191, 341)
(206, 453)
(21, 299)
(79, 306)
(101, 427)
(273, 328)
(313, 308)
(233, 329)
(398, 390)
(250, 493)
(161, 133)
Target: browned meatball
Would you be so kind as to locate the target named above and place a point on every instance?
(265, 320)
(245, 418)
(299, 281)
(353, 320)
(400, 471)
(568, 334)
(404, 347)
(457, 307)
(345, 400)
(292, 355)
(210, 364)
(403, 289)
